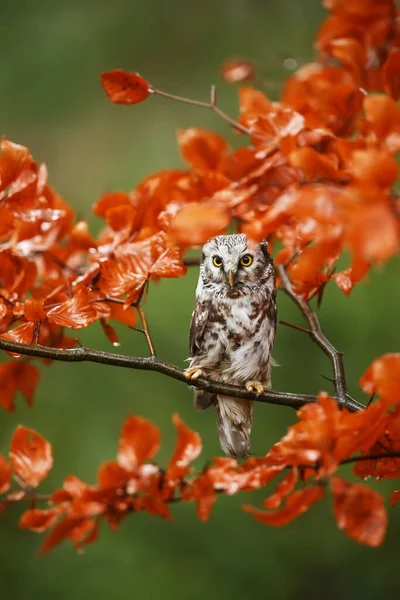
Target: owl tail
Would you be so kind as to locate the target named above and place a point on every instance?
(235, 418)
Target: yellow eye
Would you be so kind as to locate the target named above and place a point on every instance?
(217, 261)
(246, 260)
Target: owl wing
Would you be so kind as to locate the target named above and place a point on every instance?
(197, 327)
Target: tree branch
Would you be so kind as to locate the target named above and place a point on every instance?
(152, 363)
(319, 338)
(212, 105)
(146, 330)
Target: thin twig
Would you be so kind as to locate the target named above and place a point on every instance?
(352, 459)
(319, 338)
(298, 327)
(146, 330)
(212, 105)
(191, 262)
(152, 363)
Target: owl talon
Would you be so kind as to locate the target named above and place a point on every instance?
(193, 373)
(255, 386)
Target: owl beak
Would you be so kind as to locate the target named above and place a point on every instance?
(231, 278)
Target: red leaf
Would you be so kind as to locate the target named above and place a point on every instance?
(64, 529)
(383, 378)
(77, 312)
(110, 332)
(111, 200)
(196, 223)
(383, 117)
(237, 69)
(188, 448)
(202, 149)
(13, 158)
(123, 87)
(203, 493)
(395, 498)
(139, 442)
(359, 511)
(17, 376)
(127, 316)
(391, 74)
(345, 280)
(373, 232)
(296, 504)
(283, 489)
(5, 475)
(169, 264)
(33, 310)
(22, 334)
(38, 520)
(31, 455)
(112, 475)
(118, 277)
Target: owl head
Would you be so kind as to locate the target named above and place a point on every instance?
(232, 262)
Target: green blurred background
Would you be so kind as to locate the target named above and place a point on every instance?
(52, 53)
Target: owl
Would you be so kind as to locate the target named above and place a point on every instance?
(232, 332)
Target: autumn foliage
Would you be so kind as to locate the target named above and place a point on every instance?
(316, 176)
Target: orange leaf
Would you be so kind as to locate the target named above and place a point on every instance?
(188, 448)
(62, 530)
(201, 149)
(38, 520)
(13, 158)
(119, 277)
(196, 223)
(296, 504)
(123, 87)
(110, 332)
(359, 511)
(383, 116)
(373, 232)
(127, 316)
(22, 334)
(169, 264)
(395, 498)
(17, 376)
(5, 475)
(77, 312)
(202, 491)
(313, 163)
(139, 442)
(109, 201)
(374, 167)
(237, 69)
(391, 74)
(112, 475)
(33, 310)
(345, 280)
(31, 455)
(383, 377)
(283, 489)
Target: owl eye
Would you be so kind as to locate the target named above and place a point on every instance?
(246, 260)
(217, 261)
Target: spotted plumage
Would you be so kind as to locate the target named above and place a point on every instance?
(233, 330)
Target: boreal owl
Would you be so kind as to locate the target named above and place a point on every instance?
(232, 332)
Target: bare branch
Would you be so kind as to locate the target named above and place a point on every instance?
(212, 105)
(298, 327)
(146, 330)
(191, 262)
(319, 338)
(153, 363)
(352, 459)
